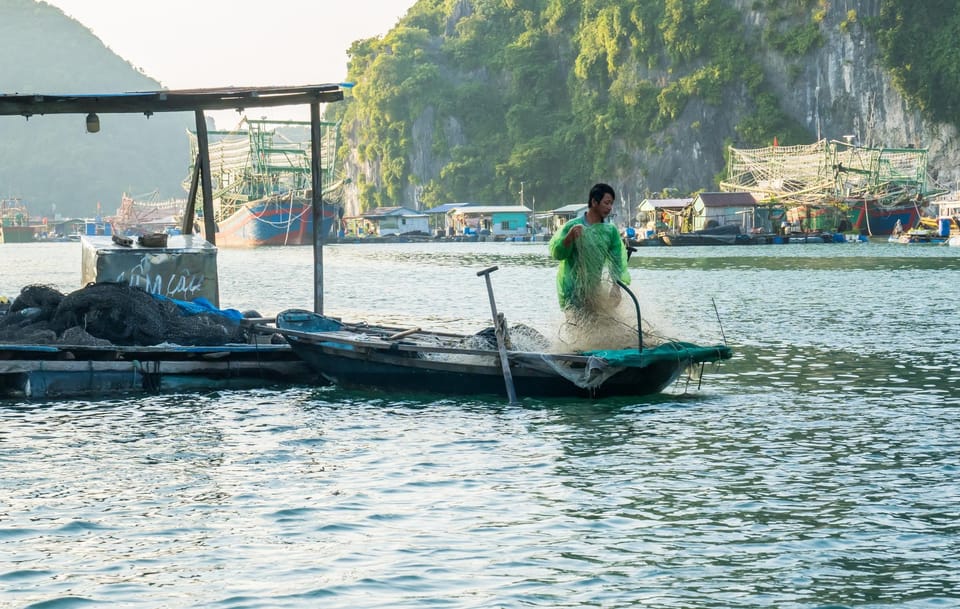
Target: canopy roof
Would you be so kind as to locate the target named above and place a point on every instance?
(479, 210)
(666, 203)
(182, 100)
(572, 208)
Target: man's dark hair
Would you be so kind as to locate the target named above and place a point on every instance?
(597, 192)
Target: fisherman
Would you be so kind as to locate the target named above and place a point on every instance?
(585, 246)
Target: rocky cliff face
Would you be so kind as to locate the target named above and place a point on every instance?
(837, 90)
(842, 90)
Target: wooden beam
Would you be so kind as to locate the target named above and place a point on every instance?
(203, 154)
(187, 100)
(186, 226)
(316, 166)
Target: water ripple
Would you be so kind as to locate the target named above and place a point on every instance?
(816, 469)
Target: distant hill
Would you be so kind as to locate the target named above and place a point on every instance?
(50, 162)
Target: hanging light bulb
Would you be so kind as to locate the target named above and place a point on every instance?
(93, 123)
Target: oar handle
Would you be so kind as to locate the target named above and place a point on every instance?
(487, 271)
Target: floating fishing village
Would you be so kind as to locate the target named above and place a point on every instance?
(469, 304)
(149, 318)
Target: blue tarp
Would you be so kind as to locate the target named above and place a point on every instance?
(201, 305)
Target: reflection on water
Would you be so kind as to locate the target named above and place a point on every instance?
(817, 468)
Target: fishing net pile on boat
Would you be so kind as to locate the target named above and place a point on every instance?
(113, 314)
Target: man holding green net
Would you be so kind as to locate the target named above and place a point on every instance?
(585, 246)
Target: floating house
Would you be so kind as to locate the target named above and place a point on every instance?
(440, 220)
(386, 221)
(496, 220)
(713, 209)
(661, 214)
(562, 215)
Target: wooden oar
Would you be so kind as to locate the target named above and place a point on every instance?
(501, 339)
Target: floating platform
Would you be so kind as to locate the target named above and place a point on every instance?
(58, 371)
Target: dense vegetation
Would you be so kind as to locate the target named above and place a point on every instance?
(549, 92)
(467, 99)
(919, 47)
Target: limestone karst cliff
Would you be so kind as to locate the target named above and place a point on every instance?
(467, 100)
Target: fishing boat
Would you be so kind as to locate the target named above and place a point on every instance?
(261, 182)
(874, 187)
(411, 359)
(878, 218)
(728, 234)
(919, 234)
(145, 214)
(366, 356)
(946, 221)
(15, 226)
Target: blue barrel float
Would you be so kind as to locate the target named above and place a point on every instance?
(944, 227)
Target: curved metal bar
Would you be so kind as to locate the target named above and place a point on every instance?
(636, 304)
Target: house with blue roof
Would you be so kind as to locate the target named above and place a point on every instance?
(496, 221)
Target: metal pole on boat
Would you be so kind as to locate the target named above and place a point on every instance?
(501, 339)
(316, 209)
(636, 305)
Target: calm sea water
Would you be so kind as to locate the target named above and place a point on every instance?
(818, 468)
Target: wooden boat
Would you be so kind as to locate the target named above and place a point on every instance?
(878, 219)
(398, 359)
(728, 234)
(917, 236)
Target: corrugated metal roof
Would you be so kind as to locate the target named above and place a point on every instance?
(494, 209)
(727, 199)
(442, 209)
(383, 212)
(669, 203)
(570, 209)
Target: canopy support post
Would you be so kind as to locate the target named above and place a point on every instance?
(203, 158)
(186, 224)
(316, 184)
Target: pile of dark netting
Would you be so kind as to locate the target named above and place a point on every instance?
(109, 313)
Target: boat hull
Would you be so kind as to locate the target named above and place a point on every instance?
(385, 372)
(873, 219)
(271, 222)
(17, 234)
(364, 360)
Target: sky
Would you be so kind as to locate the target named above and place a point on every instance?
(215, 43)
